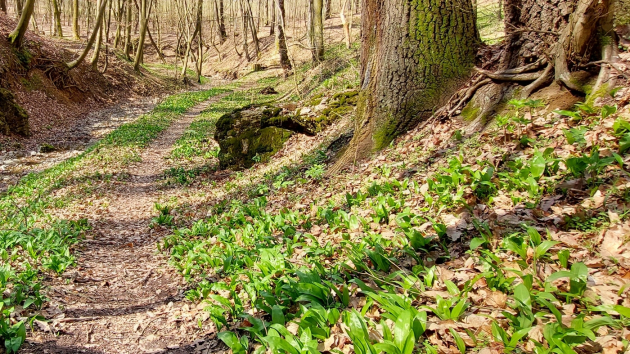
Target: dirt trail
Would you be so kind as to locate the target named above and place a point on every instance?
(123, 297)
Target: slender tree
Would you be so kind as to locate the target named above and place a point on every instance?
(99, 40)
(316, 30)
(220, 18)
(281, 41)
(75, 20)
(17, 36)
(144, 20)
(92, 38)
(57, 17)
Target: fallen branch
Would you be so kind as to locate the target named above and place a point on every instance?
(78, 319)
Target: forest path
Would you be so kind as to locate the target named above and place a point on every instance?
(122, 297)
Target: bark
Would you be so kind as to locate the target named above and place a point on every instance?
(327, 10)
(127, 44)
(281, 41)
(345, 24)
(220, 18)
(99, 40)
(17, 36)
(316, 30)
(190, 40)
(92, 38)
(144, 20)
(3, 6)
(19, 7)
(57, 16)
(75, 20)
(414, 56)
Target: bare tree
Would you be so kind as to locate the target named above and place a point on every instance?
(145, 9)
(92, 38)
(316, 30)
(57, 17)
(75, 20)
(17, 36)
(281, 41)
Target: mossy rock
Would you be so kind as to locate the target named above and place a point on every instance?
(13, 118)
(247, 135)
(252, 145)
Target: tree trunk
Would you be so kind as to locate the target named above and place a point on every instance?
(92, 38)
(190, 40)
(3, 6)
(75, 20)
(345, 25)
(99, 40)
(281, 41)
(144, 20)
(17, 36)
(127, 44)
(316, 30)
(414, 56)
(327, 10)
(221, 20)
(19, 7)
(57, 16)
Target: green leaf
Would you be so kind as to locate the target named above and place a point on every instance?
(542, 249)
(277, 315)
(402, 329)
(476, 243)
(624, 311)
(278, 343)
(387, 347)
(608, 110)
(521, 294)
(232, 342)
(624, 143)
(461, 345)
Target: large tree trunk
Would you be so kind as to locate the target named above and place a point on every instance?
(95, 32)
(17, 36)
(281, 40)
(316, 30)
(75, 20)
(546, 41)
(415, 54)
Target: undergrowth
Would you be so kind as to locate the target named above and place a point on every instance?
(367, 264)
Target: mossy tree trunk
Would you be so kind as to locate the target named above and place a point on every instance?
(281, 40)
(316, 30)
(57, 16)
(92, 39)
(415, 53)
(144, 20)
(17, 36)
(546, 41)
(75, 20)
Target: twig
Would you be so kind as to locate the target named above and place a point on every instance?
(78, 319)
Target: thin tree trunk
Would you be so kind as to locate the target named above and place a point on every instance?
(316, 30)
(327, 10)
(220, 17)
(144, 20)
(192, 37)
(281, 41)
(345, 24)
(99, 40)
(75, 20)
(57, 17)
(19, 7)
(127, 44)
(92, 38)
(17, 36)
(3, 6)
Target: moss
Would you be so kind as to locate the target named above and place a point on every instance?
(239, 152)
(13, 118)
(470, 112)
(384, 134)
(601, 92)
